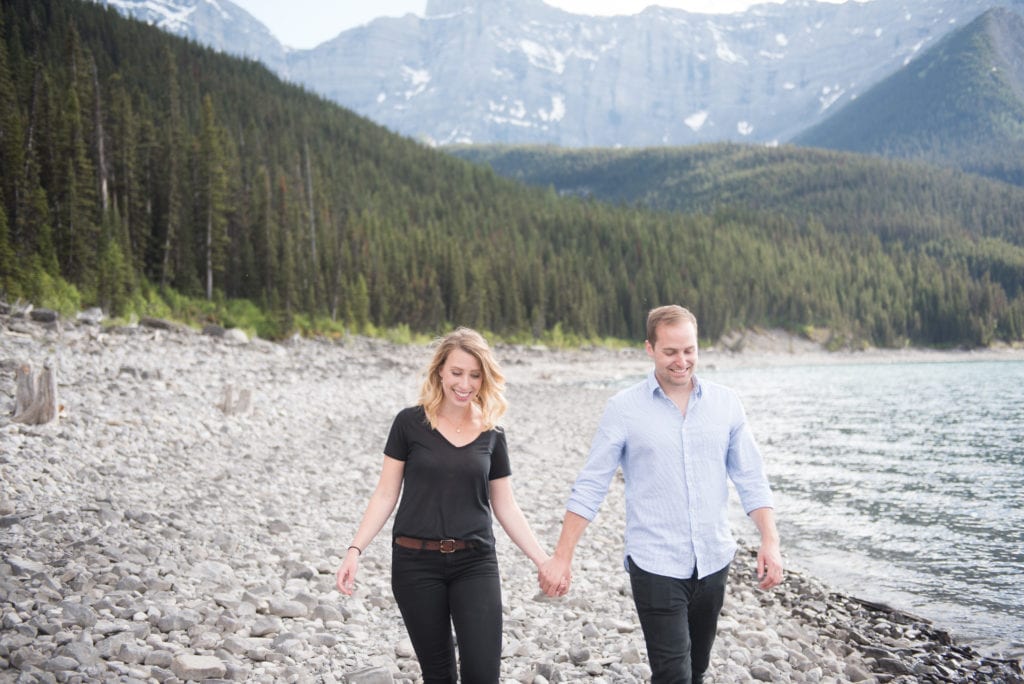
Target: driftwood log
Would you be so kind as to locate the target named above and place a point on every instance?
(35, 397)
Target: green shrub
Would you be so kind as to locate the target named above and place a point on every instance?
(51, 292)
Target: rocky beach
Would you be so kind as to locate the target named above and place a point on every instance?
(183, 518)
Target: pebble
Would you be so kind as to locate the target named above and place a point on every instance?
(151, 535)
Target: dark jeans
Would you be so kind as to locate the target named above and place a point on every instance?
(438, 590)
(679, 618)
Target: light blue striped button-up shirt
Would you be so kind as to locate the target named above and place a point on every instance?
(676, 474)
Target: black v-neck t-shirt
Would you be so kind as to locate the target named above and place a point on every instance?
(445, 488)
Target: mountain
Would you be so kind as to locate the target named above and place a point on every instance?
(146, 174)
(220, 24)
(520, 71)
(960, 103)
(523, 72)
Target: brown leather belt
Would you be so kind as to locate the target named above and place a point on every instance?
(442, 545)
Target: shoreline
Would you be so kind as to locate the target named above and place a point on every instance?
(148, 533)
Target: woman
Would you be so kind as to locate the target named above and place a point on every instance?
(449, 461)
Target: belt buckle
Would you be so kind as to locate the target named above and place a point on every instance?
(446, 546)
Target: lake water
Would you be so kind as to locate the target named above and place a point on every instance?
(901, 483)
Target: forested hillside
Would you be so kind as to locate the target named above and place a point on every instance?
(136, 167)
(960, 104)
(902, 201)
(956, 239)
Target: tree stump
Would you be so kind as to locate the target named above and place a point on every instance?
(25, 388)
(233, 405)
(35, 398)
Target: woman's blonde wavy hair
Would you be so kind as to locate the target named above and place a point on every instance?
(490, 398)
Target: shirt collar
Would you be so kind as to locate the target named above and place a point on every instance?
(654, 388)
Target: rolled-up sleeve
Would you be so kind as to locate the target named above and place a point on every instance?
(745, 465)
(605, 457)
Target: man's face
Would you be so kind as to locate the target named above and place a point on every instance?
(674, 354)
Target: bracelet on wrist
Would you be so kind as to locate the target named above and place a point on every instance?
(356, 548)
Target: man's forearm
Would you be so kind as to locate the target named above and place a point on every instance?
(573, 526)
(764, 519)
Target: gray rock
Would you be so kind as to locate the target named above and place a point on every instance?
(92, 316)
(856, 673)
(60, 664)
(177, 620)
(214, 572)
(894, 666)
(631, 655)
(26, 657)
(287, 608)
(24, 566)
(236, 645)
(85, 654)
(110, 647)
(157, 323)
(43, 315)
(299, 570)
(237, 672)
(197, 667)
(78, 614)
(326, 613)
(161, 659)
(404, 649)
(265, 625)
(236, 336)
(370, 675)
(579, 654)
(291, 646)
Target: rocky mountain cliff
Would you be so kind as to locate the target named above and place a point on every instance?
(220, 24)
(520, 71)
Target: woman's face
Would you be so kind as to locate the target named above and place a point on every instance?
(461, 378)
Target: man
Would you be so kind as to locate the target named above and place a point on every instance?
(678, 440)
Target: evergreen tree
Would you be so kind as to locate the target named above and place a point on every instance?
(213, 190)
(9, 276)
(11, 138)
(168, 184)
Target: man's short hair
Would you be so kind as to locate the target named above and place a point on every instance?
(669, 314)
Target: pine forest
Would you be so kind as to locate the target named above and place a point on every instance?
(138, 169)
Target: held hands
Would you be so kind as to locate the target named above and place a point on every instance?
(555, 576)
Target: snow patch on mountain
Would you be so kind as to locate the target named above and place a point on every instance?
(697, 120)
(168, 16)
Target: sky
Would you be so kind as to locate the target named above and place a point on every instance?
(307, 23)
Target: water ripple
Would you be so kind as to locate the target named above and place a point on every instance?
(902, 483)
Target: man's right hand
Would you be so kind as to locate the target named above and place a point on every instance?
(555, 576)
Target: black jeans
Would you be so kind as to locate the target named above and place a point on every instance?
(437, 590)
(679, 618)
